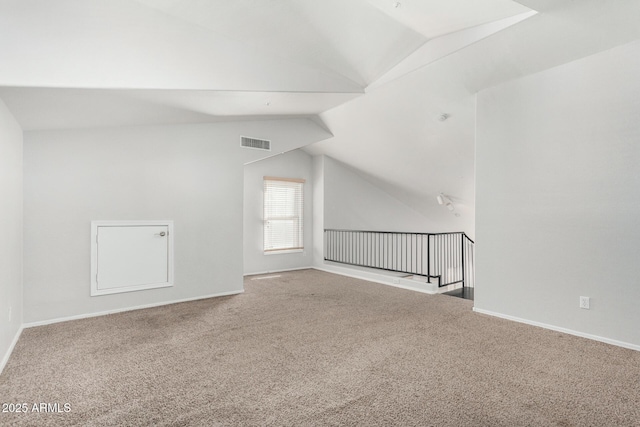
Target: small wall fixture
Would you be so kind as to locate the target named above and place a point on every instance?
(444, 200)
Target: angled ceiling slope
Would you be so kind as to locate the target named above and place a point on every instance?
(393, 135)
(72, 63)
(121, 44)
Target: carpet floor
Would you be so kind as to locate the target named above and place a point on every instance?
(310, 348)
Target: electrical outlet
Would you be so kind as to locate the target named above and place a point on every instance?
(584, 302)
(10, 313)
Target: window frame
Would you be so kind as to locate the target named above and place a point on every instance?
(297, 208)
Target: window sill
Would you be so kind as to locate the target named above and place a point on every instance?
(284, 251)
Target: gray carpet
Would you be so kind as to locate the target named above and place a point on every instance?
(314, 349)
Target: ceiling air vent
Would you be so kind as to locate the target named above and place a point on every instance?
(258, 144)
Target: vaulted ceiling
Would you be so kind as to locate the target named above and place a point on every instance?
(376, 73)
(120, 62)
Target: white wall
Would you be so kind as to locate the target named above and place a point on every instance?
(345, 200)
(190, 174)
(558, 196)
(11, 220)
(318, 209)
(353, 203)
(294, 164)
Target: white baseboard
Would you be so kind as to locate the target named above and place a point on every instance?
(276, 271)
(5, 358)
(559, 329)
(370, 277)
(120, 310)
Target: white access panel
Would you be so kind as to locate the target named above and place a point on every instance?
(131, 256)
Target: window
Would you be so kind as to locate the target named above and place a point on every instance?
(283, 205)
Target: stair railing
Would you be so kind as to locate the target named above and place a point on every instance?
(447, 258)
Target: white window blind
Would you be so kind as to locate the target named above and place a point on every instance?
(283, 206)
